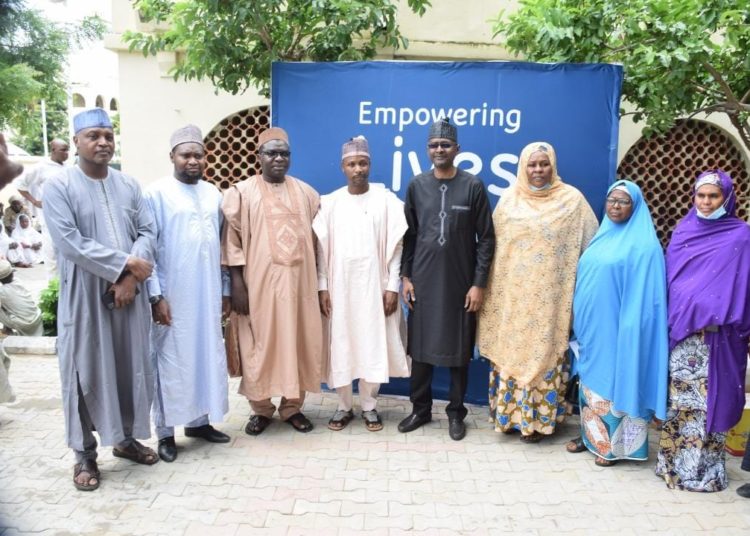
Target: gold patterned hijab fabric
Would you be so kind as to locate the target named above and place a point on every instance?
(525, 321)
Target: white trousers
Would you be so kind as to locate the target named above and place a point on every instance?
(368, 393)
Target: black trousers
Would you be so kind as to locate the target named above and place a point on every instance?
(746, 460)
(421, 390)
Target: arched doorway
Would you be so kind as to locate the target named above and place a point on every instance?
(665, 167)
(231, 151)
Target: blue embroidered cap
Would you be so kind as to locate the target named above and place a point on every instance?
(95, 117)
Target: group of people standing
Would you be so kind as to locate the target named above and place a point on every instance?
(654, 339)
(309, 289)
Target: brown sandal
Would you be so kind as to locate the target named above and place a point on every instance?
(603, 462)
(90, 468)
(138, 453)
(373, 422)
(340, 419)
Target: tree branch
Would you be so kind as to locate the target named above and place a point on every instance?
(731, 97)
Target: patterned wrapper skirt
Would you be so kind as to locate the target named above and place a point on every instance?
(611, 434)
(529, 409)
(689, 457)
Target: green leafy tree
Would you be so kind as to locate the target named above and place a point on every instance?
(33, 55)
(232, 44)
(681, 57)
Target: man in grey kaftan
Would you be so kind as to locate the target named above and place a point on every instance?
(104, 233)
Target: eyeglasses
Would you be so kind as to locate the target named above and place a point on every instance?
(442, 145)
(616, 201)
(275, 154)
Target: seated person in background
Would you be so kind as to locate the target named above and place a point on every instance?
(7, 246)
(18, 311)
(29, 241)
(10, 214)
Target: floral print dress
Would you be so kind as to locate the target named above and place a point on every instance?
(690, 458)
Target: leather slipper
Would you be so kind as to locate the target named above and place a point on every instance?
(256, 425)
(300, 423)
(89, 467)
(138, 453)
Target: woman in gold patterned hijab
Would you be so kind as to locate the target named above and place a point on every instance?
(542, 226)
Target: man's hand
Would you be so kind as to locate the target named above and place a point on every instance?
(240, 299)
(8, 170)
(36, 247)
(390, 302)
(226, 307)
(139, 268)
(407, 292)
(37, 203)
(324, 298)
(161, 313)
(474, 299)
(124, 291)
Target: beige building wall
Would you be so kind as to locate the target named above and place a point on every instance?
(152, 104)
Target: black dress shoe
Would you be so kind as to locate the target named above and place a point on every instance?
(167, 449)
(744, 491)
(412, 422)
(456, 429)
(207, 432)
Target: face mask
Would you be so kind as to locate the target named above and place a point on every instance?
(715, 215)
(541, 188)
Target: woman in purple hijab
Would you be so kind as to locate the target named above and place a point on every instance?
(708, 277)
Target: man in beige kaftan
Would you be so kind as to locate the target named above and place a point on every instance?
(268, 246)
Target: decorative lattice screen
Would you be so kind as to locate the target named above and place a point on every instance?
(231, 151)
(665, 167)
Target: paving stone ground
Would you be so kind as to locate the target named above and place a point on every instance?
(336, 483)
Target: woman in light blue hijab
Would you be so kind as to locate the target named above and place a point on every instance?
(620, 321)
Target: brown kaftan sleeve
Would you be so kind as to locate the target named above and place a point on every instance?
(232, 253)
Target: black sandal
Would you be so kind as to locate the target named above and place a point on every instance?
(300, 423)
(574, 446)
(535, 437)
(257, 424)
(89, 467)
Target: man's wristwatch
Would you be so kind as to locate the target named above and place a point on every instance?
(153, 300)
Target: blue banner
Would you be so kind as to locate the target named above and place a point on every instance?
(498, 107)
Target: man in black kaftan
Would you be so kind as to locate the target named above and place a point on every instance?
(447, 255)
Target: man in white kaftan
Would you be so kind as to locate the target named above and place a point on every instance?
(186, 299)
(360, 229)
(31, 186)
(104, 232)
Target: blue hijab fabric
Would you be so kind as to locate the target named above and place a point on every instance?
(620, 313)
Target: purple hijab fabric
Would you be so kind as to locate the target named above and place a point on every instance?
(708, 276)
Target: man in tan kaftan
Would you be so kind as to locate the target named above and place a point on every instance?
(268, 245)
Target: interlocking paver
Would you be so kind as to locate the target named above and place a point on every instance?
(343, 482)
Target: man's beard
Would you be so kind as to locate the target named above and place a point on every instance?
(188, 177)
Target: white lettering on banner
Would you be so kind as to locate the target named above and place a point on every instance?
(484, 116)
(475, 167)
